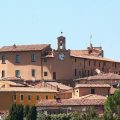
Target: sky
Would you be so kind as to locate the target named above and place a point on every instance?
(42, 21)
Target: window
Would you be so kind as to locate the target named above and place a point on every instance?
(88, 73)
(33, 72)
(92, 91)
(45, 74)
(3, 59)
(46, 97)
(103, 69)
(37, 97)
(17, 73)
(80, 73)
(75, 72)
(89, 62)
(21, 97)
(45, 59)
(54, 97)
(92, 72)
(33, 57)
(14, 97)
(83, 73)
(29, 97)
(104, 63)
(17, 58)
(3, 73)
(54, 75)
(75, 60)
(94, 63)
(99, 64)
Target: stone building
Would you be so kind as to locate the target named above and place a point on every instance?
(41, 62)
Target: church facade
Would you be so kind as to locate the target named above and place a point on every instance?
(41, 62)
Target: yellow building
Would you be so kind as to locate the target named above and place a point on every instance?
(24, 95)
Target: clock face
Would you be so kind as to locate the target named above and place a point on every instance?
(61, 56)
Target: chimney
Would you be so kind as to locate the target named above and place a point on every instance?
(58, 99)
(14, 46)
(58, 89)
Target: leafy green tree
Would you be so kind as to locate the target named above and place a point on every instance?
(42, 116)
(75, 116)
(90, 114)
(112, 107)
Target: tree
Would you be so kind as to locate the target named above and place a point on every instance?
(32, 113)
(13, 112)
(16, 112)
(75, 116)
(112, 107)
(26, 111)
(20, 112)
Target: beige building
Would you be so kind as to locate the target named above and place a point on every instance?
(85, 89)
(41, 62)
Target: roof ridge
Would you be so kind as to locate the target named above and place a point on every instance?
(24, 45)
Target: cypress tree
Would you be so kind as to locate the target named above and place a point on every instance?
(26, 112)
(33, 113)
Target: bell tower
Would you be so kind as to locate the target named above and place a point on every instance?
(61, 43)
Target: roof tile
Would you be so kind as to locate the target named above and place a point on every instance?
(93, 85)
(24, 47)
(84, 100)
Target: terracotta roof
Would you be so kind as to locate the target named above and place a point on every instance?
(79, 52)
(84, 54)
(102, 76)
(23, 47)
(52, 85)
(93, 85)
(90, 99)
(95, 52)
(12, 79)
(25, 89)
(60, 85)
(10, 83)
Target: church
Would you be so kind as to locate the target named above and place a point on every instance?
(39, 62)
